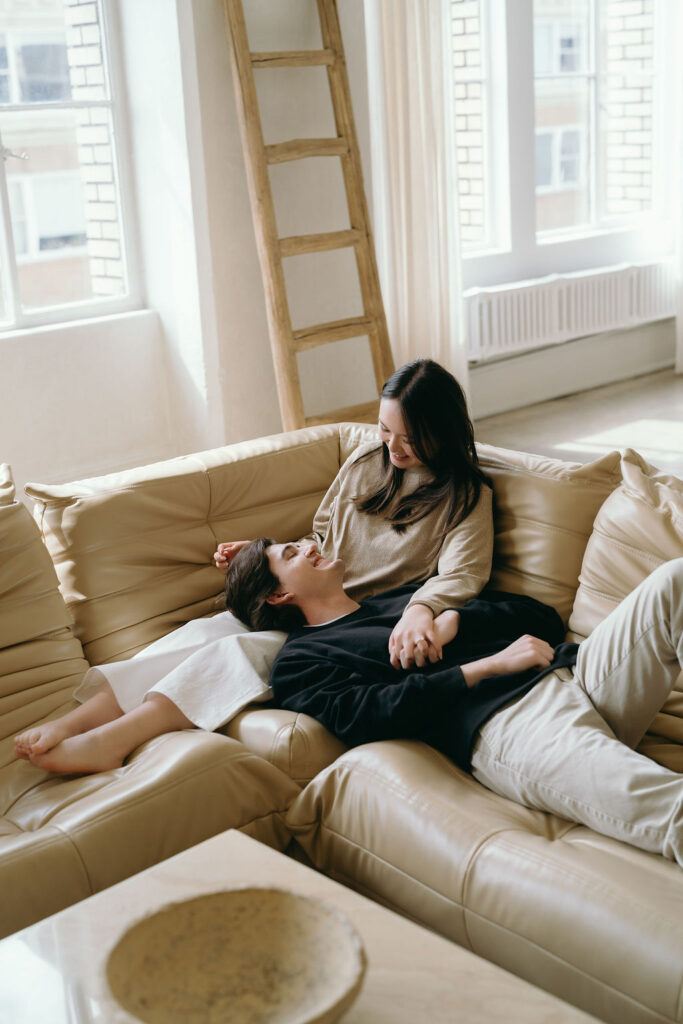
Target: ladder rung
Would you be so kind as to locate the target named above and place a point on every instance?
(292, 59)
(366, 413)
(336, 330)
(299, 149)
(297, 245)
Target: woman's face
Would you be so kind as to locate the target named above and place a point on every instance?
(393, 432)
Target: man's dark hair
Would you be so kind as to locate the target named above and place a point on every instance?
(249, 584)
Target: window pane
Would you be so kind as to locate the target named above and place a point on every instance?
(543, 48)
(64, 206)
(563, 113)
(53, 55)
(43, 72)
(563, 116)
(544, 159)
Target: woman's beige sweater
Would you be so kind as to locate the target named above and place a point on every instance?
(456, 567)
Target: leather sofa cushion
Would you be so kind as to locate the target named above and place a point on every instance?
(592, 920)
(296, 743)
(64, 838)
(133, 550)
(544, 511)
(41, 662)
(638, 527)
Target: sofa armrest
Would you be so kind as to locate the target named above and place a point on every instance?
(295, 743)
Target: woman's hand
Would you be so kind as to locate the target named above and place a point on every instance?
(224, 553)
(446, 626)
(414, 641)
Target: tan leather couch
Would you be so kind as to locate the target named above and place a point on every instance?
(593, 921)
(63, 838)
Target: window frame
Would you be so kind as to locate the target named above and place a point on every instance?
(522, 255)
(19, 319)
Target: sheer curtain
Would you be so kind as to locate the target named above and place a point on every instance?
(414, 179)
(677, 34)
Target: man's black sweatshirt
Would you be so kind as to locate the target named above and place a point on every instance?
(340, 672)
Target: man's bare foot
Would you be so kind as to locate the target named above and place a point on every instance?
(40, 739)
(80, 755)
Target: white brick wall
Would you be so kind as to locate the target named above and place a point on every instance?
(469, 120)
(628, 61)
(86, 72)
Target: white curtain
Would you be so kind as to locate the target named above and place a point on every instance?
(414, 179)
(677, 33)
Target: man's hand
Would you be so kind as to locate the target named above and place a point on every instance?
(225, 553)
(414, 641)
(526, 652)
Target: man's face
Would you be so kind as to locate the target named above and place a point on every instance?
(303, 572)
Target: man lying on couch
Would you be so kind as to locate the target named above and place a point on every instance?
(549, 724)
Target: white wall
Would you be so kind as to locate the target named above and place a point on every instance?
(308, 197)
(196, 371)
(84, 397)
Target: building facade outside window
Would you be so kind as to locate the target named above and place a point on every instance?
(561, 134)
(64, 254)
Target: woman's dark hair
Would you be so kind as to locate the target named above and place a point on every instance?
(249, 584)
(441, 434)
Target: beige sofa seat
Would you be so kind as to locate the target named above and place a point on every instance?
(587, 918)
(593, 921)
(63, 838)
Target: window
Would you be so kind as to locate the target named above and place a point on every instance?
(63, 253)
(573, 151)
(558, 159)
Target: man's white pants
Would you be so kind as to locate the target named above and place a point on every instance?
(567, 746)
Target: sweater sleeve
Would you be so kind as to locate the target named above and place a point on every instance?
(355, 708)
(464, 560)
(325, 510)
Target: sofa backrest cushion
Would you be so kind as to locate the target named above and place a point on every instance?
(41, 661)
(133, 550)
(638, 527)
(543, 511)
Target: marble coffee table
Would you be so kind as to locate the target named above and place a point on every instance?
(53, 972)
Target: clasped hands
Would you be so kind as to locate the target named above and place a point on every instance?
(419, 638)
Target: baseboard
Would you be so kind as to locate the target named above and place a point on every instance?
(558, 370)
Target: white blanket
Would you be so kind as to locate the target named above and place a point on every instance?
(211, 668)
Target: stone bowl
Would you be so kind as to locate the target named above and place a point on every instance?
(247, 956)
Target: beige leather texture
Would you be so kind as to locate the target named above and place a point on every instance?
(544, 511)
(133, 550)
(296, 743)
(41, 662)
(594, 921)
(70, 837)
(587, 918)
(62, 838)
(638, 527)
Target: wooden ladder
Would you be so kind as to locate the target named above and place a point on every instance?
(286, 342)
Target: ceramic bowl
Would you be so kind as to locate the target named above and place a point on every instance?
(247, 956)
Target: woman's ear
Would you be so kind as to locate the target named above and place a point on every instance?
(280, 597)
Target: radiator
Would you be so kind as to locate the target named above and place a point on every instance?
(508, 319)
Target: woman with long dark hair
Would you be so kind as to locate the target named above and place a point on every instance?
(414, 505)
